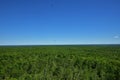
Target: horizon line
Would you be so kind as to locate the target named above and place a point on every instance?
(52, 44)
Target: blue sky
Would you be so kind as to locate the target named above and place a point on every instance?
(28, 22)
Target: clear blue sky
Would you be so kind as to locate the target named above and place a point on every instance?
(24, 22)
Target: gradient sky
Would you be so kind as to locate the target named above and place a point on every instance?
(28, 22)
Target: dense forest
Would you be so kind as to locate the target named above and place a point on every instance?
(60, 62)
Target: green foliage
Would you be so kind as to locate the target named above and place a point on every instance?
(60, 63)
